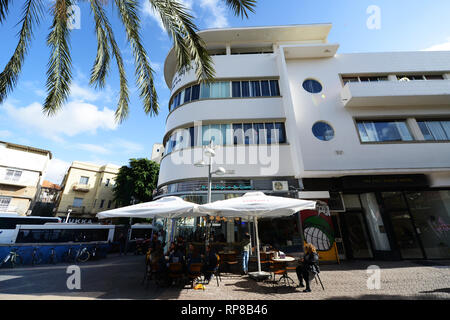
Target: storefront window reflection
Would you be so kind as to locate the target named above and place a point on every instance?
(431, 213)
(281, 233)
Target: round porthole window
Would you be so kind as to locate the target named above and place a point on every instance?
(323, 131)
(312, 86)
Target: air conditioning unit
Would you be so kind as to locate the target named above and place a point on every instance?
(280, 186)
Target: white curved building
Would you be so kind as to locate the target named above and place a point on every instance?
(367, 132)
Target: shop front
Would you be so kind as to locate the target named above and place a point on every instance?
(390, 217)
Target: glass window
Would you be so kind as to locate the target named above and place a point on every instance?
(350, 79)
(265, 88)
(77, 202)
(260, 133)
(195, 92)
(384, 131)
(109, 204)
(192, 137)
(323, 131)
(206, 135)
(236, 89)
(220, 89)
(271, 135)
(102, 203)
(205, 89)
(238, 134)
(245, 88)
(107, 182)
(281, 134)
(84, 180)
(248, 134)
(4, 203)
(216, 134)
(274, 88)
(435, 130)
(13, 175)
(312, 86)
(431, 213)
(187, 95)
(256, 89)
(226, 133)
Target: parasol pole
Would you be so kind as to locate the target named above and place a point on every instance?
(255, 221)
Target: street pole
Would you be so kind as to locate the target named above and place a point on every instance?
(209, 197)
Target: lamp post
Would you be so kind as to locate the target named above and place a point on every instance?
(69, 211)
(210, 153)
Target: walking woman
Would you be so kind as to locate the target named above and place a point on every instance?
(308, 267)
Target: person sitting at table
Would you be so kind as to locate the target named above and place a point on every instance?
(176, 255)
(210, 263)
(193, 256)
(308, 267)
(157, 258)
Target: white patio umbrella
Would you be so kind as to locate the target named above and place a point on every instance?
(168, 207)
(257, 205)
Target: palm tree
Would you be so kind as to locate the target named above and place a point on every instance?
(189, 48)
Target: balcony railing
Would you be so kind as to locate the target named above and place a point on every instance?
(396, 93)
(81, 187)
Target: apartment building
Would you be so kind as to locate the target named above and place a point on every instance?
(157, 152)
(21, 173)
(368, 133)
(87, 190)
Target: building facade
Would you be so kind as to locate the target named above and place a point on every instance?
(21, 173)
(368, 133)
(87, 190)
(157, 152)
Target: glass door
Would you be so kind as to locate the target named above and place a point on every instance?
(406, 237)
(356, 236)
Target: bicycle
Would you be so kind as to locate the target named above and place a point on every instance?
(82, 255)
(53, 259)
(36, 257)
(13, 257)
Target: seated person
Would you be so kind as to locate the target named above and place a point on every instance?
(176, 255)
(193, 256)
(209, 263)
(308, 267)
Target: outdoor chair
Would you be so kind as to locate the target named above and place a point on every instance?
(216, 272)
(230, 260)
(175, 272)
(157, 274)
(279, 268)
(194, 272)
(265, 261)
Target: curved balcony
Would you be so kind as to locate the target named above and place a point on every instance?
(226, 109)
(241, 160)
(81, 187)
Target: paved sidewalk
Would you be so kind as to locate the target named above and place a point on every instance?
(120, 278)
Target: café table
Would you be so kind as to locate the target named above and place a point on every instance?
(285, 277)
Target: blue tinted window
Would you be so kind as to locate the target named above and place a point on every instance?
(245, 89)
(187, 95)
(274, 88)
(195, 92)
(270, 133)
(256, 89)
(279, 127)
(238, 134)
(323, 131)
(312, 86)
(236, 88)
(265, 88)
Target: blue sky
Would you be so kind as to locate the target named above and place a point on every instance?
(85, 130)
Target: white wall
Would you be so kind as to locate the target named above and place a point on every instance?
(23, 160)
(28, 178)
(320, 157)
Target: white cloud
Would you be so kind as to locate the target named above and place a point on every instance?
(218, 12)
(74, 118)
(127, 146)
(92, 148)
(445, 46)
(56, 170)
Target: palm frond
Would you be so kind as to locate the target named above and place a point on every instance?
(240, 7)
(144, 73)
(59, 74)
(32, 12)
(4, 6)
(122, 106)
(188, 46)
(101, 66)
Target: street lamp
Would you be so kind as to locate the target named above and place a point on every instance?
(210, 153)
(69, 211)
